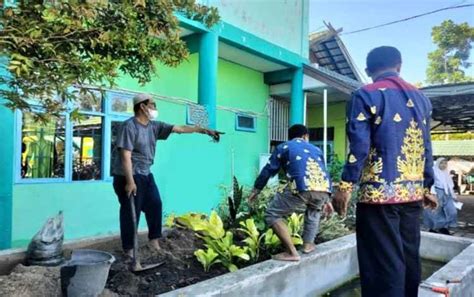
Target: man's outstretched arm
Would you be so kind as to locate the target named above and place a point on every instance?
(195, 129)
(272, 168)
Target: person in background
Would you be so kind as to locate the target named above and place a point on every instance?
(308, 190)
(132, 159)
(455, 178)
(445, 216)
(388, 127)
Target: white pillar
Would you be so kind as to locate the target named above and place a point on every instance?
(305, 104)
(325, 127)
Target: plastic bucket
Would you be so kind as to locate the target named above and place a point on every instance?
(86, 273)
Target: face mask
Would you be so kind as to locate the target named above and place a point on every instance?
(152, 114)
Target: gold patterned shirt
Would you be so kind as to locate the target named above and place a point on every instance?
(388, 126)
(303, 164)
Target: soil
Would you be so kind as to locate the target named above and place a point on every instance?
(31, 281)
(179, 270)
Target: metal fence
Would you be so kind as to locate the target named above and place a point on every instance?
(279, 116)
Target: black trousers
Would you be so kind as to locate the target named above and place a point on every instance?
(147, 200)
(388, 244)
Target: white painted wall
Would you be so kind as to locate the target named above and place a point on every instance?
(283, 22)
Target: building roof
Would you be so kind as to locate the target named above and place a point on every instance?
(328, 51)
(340, 82)
(453, 106)
(453, 148)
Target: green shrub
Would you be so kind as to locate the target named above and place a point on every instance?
(216, 238)
(332, 227)
(207, 258)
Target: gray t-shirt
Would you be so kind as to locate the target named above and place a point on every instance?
(141, 141)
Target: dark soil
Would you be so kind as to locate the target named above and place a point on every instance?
(180, 269)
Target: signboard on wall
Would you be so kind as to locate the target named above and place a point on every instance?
(197, 115)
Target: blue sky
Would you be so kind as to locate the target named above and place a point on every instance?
(412, 38)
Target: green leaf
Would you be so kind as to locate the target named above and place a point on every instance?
(232, 267)
(237, 251)
(207, 258)
(69, 42)
(296, 240)
(216, 227)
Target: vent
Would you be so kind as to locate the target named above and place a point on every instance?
(245, 122)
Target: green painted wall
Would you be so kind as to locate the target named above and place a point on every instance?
(336, 119)
(189, 169)
(179, 82)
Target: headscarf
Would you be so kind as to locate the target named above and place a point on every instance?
(443, 179)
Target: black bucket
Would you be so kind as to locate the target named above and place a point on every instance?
(86, 273)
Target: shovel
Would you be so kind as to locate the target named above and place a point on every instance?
(136, 266)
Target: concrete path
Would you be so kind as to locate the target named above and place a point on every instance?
(466, 218)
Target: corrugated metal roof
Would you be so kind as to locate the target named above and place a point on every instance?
(328, 51)
(459, 148)
(453, 105)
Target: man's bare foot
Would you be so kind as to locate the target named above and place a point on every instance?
(308, 248)
(286, 257)
(136, 266)
(155, 244)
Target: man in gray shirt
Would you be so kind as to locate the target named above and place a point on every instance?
(132, 159)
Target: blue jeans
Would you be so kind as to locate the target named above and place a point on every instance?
(147, 200)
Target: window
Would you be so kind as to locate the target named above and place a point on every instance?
(279, 119)
(121, 103)
(245, 123)
(115, 126)
(66, 150)
(316, 137)
(87, 148)
(317, 134)
(42, 148)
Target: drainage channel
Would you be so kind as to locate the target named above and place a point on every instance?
(352, 288)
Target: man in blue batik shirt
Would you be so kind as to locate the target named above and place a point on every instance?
(308, 190)
(388, 126)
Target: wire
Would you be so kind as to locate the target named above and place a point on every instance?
(409, 18)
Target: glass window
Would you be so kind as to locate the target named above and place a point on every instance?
(42, 148)
(49, 149)
(88, 101)
(87, 148)
(115, 126)
(121, 103)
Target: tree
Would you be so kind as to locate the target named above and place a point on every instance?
(53, 45)
(448, 62)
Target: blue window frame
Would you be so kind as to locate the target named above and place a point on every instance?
(70, 151)
(245, 122)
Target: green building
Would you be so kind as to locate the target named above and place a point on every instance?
(253, 74)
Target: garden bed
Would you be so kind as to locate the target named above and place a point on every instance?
(334, 263)
(195, 248)
(181, 269)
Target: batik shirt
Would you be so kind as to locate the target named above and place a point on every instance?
(303, 164)
(388, 126)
